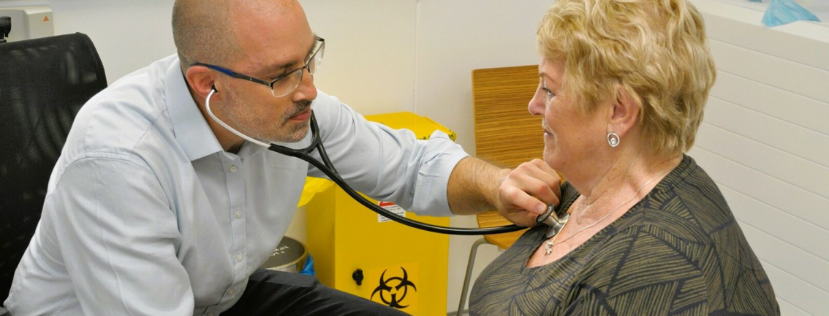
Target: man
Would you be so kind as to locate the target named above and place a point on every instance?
(156, 209)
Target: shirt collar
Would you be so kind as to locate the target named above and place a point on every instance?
(191, 129)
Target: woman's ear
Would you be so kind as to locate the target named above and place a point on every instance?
(200, 79)
(625, 112)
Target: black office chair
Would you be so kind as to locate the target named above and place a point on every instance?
(43, 84)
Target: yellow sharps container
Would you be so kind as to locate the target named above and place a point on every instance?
(360, 252)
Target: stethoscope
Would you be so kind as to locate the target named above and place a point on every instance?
(549, 218)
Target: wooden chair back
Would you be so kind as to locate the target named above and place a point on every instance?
(505, 132)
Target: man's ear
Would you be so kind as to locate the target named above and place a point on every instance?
(201, 81)
(625, 112)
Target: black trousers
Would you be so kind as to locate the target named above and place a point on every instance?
(282, 293)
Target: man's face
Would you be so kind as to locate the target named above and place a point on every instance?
(273, 40)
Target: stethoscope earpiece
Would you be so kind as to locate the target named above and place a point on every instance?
(213, 87)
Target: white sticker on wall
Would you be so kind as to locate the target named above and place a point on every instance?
(391, 207)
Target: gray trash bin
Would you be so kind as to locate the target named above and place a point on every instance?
(289, 256)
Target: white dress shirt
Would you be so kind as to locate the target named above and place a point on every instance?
(146, 214)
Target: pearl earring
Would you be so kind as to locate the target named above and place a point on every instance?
(613, 139)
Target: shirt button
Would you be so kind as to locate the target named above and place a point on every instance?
(238, 214)
(233, 169)
(209, 314)
(239, 257)
(230, 292)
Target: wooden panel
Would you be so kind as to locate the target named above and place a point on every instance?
(785, 74)
(750, 34)
(765, 142)
(788, 309)
(786, 136)
(796, 201)
(505, 132)
(797, 262)
(795, 291)
(772, 161)
(781, 104)
(771, 220)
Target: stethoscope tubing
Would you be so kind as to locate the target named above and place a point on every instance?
(328, 169)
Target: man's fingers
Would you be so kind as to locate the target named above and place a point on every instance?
(521, 200)
(537, 179)
(522, 218)
(527, 190)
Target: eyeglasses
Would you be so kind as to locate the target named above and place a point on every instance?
(284, 83)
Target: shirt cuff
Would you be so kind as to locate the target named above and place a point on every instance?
(430, 197)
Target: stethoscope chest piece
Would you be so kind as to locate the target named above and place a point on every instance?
(551, 219)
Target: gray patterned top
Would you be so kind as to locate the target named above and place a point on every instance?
(679, 251)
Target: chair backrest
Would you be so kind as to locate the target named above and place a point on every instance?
(43, 84)
(505, 132)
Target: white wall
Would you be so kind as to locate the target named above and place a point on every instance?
(370, 52)
(127, 34)
(765, 141)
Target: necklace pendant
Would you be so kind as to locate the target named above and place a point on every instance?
(548, 247)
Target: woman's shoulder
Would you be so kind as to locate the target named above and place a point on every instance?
(687, 203)
(688, 210)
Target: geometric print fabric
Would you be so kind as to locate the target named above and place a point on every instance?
(678, 251)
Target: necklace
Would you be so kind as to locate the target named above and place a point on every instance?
(548, 246)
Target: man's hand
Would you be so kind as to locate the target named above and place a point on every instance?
(526, 191)
(520, 195)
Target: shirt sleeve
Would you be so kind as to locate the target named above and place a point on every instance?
(644, 271)
(118, 239)
(387, 164)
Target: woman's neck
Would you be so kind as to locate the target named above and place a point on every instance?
(627, 178)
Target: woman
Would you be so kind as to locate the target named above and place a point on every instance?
(621, 94)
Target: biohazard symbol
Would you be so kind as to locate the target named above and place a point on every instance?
(393, 291)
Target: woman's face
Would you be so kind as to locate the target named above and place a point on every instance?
(570, 137)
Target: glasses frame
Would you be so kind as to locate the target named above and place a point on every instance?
(269, 84)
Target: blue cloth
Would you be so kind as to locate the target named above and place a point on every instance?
(309, 266)
(145, 214)
(782, 12)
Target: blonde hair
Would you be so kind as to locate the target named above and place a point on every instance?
(654, 49)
